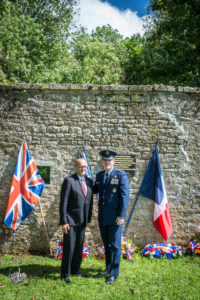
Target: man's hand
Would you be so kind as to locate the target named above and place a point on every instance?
(66, 228)
(119, 221)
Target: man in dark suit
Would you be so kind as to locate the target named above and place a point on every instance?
(76, 202)
(113, 189)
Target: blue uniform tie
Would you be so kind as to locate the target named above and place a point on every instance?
(106, 180)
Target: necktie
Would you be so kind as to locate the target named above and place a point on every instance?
(83, 186)
(106, 180)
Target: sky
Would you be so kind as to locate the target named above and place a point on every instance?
(127, 16)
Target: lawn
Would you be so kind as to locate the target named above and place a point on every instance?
(140, 278)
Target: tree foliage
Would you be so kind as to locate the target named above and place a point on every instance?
(25, 52)
(55, 16)
(98, 56)
(33, 40)
(3, 7)
(172, 45)
(36, 45)
(133, 66)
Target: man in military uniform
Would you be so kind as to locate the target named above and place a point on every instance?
(113, 189)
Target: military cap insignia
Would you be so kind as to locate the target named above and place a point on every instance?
(108, 154)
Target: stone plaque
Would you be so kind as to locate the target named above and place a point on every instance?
(126, 162)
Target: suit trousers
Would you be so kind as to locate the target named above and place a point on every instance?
(111, 236)
(72, 250)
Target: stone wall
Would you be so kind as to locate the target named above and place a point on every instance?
(57, 119)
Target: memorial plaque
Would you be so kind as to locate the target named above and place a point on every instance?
(126, 162)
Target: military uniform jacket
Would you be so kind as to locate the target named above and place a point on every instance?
(113, 196)
(75, 208)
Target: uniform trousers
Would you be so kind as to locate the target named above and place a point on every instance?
(72, 250)
(111, 237)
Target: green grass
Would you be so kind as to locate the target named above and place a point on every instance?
(141, 278)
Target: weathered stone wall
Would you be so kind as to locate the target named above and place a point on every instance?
(57, 119)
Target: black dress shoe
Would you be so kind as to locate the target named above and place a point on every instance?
(104, 272)
(111, 279)
(66, 279)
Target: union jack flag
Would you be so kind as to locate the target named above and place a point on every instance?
(26, 189)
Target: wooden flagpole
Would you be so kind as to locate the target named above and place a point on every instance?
(47, 236)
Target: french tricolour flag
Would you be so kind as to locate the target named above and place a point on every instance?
(153, 188)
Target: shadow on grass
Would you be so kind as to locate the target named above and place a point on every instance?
(91, 272)
(36, 271)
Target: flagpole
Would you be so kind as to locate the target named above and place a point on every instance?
(87, 161)
(24, 140)
(137, 197)
(132, 211)
(45, 228)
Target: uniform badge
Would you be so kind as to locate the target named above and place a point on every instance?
(115, 180)
(114, 190)
(107, 152)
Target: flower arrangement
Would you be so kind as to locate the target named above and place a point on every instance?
(162, 250)
(126, 250)
(197, 249)
(85, 251)
(194, 246)
(101, 252)
(59, 251)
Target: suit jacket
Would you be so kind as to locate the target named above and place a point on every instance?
(113, 196)
(75, 208)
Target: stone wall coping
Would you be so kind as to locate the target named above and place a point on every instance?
(96, 87)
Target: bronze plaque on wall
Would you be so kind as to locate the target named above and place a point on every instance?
(126, 162)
